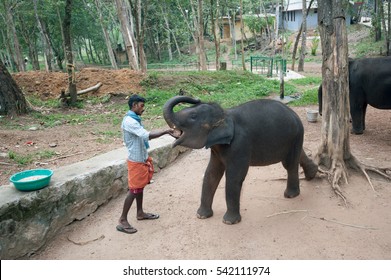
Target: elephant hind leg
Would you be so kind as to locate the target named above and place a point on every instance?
(309, 167)
(293, 186)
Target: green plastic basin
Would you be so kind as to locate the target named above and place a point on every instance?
(31, 180)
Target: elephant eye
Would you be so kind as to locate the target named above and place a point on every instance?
(193, 116)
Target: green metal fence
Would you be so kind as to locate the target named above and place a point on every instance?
(268, 66)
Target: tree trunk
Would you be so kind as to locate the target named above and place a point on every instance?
(142, 9)
(334, 151)
(298, 38)
(30, 40)
(12, 101)
(127, 33)
(202, 55)
(69, 55)
(386, 26)
(62, 36)
(13, 38)
(45, 39)
(231, 24)
(168, 30)
(303, 37)
(216, 29)
(242, 35)
(106, 36)
(376, 19)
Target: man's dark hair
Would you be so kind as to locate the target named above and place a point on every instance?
(135, 99)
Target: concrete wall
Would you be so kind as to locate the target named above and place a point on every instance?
(29, 219)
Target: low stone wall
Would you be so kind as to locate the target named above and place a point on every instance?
(29, 219)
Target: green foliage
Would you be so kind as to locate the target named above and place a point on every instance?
(307, 81)
(309, 97)
(314, 46)
(258, 25)
(31, 157)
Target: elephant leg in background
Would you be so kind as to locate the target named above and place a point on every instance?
(235, 175)
(213, 174)
(357, 112)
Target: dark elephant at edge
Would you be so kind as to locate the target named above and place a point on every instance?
(257, 133)
(369, 84)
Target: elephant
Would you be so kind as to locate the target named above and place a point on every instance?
(369, 83)
(257, 133)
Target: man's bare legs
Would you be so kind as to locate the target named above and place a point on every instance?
(124, 225)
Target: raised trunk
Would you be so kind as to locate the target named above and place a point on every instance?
(168, 112)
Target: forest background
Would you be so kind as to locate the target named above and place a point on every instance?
(140, 34)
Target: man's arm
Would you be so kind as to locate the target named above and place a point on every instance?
(159, 132)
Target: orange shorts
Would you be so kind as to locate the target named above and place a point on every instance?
(139, 174)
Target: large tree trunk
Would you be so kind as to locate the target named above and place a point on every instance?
(12, 101)
(69, 55)
(334, 151)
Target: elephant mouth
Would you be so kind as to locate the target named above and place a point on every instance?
(177, 133)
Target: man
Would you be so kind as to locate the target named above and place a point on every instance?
(140, 168)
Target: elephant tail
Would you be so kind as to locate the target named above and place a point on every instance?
(310, 168)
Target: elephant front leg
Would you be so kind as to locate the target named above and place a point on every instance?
(212, 177)
(234, 181)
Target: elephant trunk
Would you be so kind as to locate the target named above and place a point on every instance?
(168, 112)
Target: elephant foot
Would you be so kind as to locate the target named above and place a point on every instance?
(203, 213)
(357, 132)
(231, 219)
(291, 193)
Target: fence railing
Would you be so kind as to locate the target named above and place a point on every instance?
(268, 66)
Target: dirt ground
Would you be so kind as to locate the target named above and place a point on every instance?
(315, 225)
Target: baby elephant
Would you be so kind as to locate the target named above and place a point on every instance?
(257, 133)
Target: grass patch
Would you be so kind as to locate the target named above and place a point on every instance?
(30, 158)
(309, 97)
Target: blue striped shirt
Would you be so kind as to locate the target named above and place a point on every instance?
(134, 136)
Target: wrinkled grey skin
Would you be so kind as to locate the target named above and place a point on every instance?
(369, 84)
(257, 133)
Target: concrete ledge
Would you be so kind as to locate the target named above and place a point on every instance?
(29, 219)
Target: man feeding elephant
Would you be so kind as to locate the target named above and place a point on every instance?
(140, 167)
(257, 133)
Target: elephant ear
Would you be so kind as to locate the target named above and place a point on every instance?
(221, 134)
